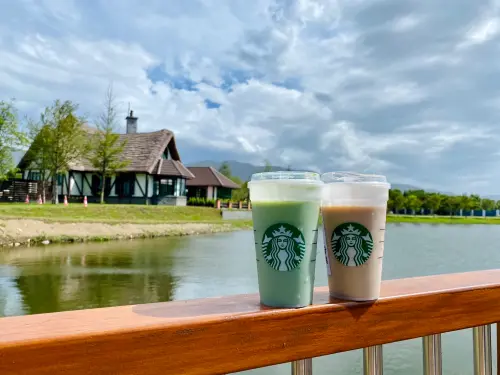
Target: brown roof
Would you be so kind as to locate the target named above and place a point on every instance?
(172, 168)
(209, 176)
(144, 151)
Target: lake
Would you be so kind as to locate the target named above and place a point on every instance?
(81, 276)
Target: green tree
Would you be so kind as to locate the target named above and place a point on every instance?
(413, 203)
(433, 202)
(241, 194)
(267, 166)
(487, 204)
(475, 203)
(397, 199)
(37, 156)
(11, 139)
(466, 203)
(225, 169)
(497, 205)
(106, 150)
(66, 137)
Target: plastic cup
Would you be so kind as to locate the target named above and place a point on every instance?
(354, 209)
(285, 212)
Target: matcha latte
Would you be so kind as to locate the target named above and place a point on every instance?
(285, 211)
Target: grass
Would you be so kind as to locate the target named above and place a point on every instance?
(142, 214)
(138, 214)
(442, 219)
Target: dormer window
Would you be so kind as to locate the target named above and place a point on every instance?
(166, 154)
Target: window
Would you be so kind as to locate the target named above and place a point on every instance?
(60, 179)
(125, 185)
(166, 154)
(96, 184)
(167, 187)
(34, 176)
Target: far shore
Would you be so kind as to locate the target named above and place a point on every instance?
(31, 224)
(26, 225)
(29, 232)
(434, 219)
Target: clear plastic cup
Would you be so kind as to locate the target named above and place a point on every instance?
(354, 209)
(285, 212)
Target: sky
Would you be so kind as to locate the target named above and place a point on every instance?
(405, 88)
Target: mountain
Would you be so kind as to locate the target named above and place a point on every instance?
(245, 170)
(242, 170)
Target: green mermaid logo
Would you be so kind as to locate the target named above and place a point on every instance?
(352, 244)
(283, 247)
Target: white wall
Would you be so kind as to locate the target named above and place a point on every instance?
(140, 183)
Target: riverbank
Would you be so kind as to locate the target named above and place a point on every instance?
(22, 224)
(417, 219)
(27, 232)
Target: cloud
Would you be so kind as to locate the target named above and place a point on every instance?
(398, 87)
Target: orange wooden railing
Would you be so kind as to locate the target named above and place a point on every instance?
(228, 334)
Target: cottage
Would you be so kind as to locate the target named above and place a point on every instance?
(154, 175)
(209, 183)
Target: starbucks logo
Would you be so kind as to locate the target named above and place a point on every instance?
(283, 247)
(352, 244)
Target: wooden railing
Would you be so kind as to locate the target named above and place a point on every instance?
(228, 334)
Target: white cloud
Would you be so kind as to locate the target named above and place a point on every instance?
(375, 86)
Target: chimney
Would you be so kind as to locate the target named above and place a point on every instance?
(131, 123)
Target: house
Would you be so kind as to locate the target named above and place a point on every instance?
(154, 175)
(209, 183)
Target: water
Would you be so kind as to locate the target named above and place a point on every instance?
(59, 278)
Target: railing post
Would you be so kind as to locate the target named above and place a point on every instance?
(432, 355)
(482, 350)
(302, 367)
(373, 360)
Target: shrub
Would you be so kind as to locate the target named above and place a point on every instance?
(203, 202)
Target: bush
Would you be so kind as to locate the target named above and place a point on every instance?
(203, 202)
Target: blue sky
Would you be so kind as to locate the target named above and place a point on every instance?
(406, 88)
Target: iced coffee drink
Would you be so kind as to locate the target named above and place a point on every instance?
(354, 211)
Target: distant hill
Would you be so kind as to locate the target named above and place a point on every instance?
(242, 170)
(245, 170)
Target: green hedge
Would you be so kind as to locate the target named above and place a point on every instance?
(201, 202)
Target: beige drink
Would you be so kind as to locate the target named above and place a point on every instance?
(354, 241)
(354, 210)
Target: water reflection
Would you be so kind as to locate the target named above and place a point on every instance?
(63, 278)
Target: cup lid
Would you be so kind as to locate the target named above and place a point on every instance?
(354, 178)
(287, 177)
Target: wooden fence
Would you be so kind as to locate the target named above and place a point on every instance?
(17, 190)
(241, 205)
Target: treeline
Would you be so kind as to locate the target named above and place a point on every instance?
(413, 201)
(410, 201)
(242, 193)
(58, 138)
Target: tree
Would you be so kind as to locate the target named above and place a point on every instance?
(38, 154)
(11, 139)
(475, 202)
(413, 203)
(225, 169)
(433, 202)
(397, 199)
(66, 137)
(242, 193)
(487, 204)
(267, 166)
(106, 150)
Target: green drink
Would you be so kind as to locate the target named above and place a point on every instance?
(285, 211)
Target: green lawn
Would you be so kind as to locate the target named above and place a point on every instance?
(123, 213)
(442, 219)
